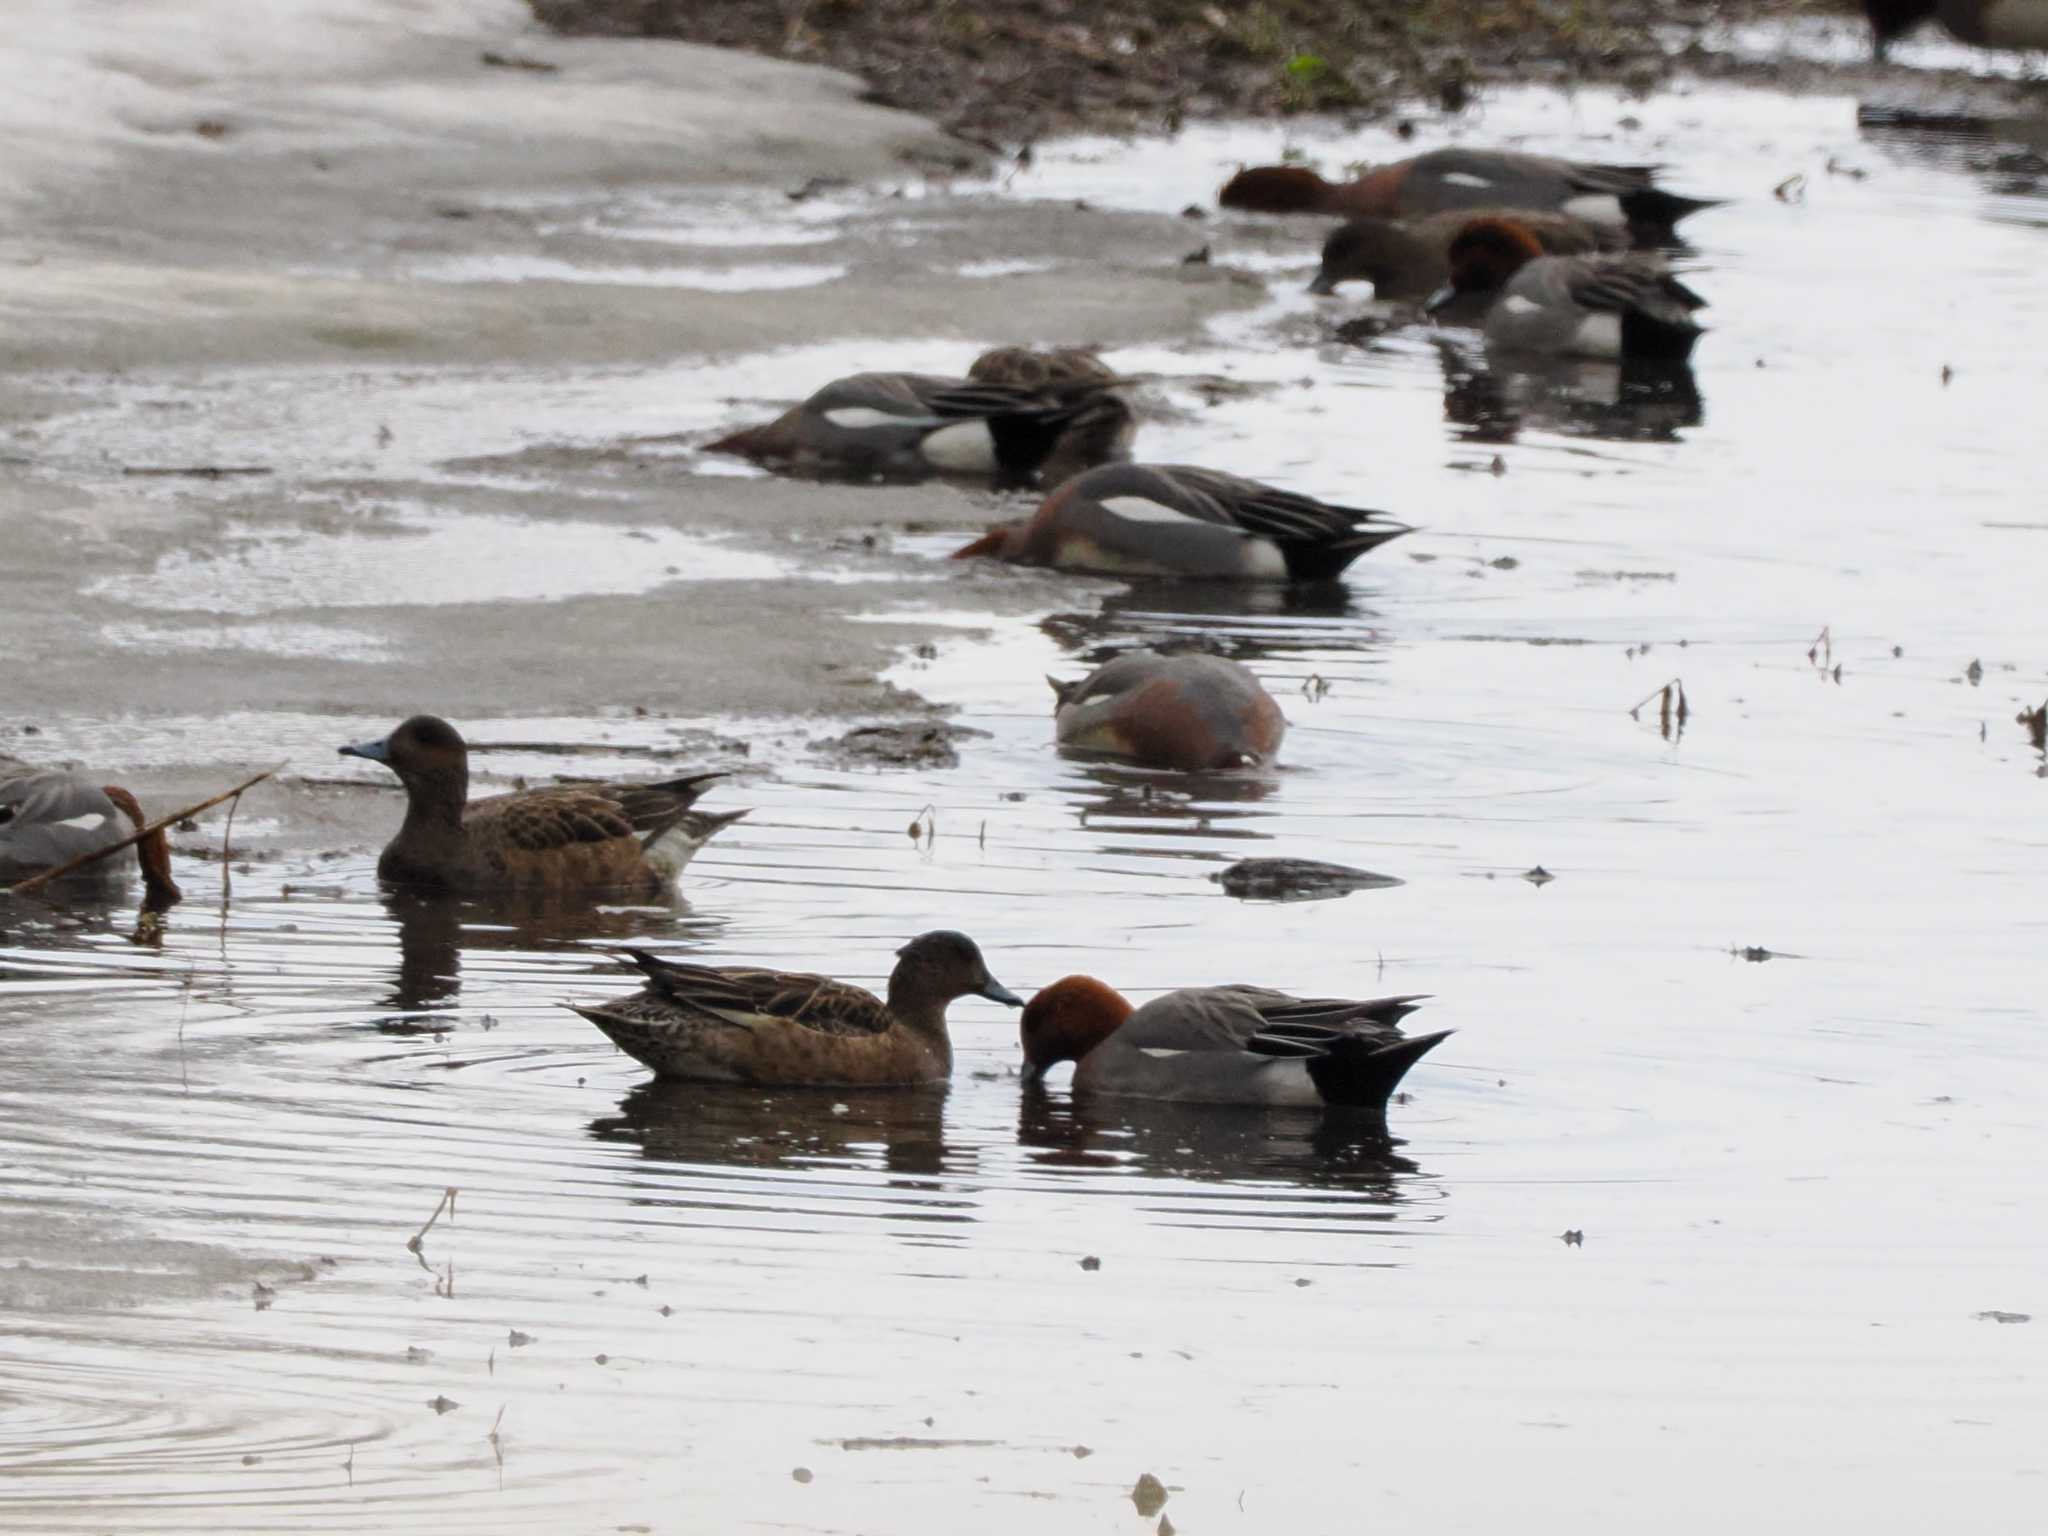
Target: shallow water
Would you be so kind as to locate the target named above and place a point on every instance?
(1805, 1184)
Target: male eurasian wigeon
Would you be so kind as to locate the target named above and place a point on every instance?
(629, 838)
(1190, 711)
(1622, 197)
(1224, 1045)
(911, 424)
(50, 817)
(1605, 307)
(734, 1024)
(1407, 260)
(1986, 23)
(1176, 520)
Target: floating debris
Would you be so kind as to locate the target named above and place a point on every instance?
(916, 744)
(2036, 722)
(519, 1340)
(1973, 674)
(1672, 710)
(1572, 1237)
(443, 1404)
(800, 1474)
(1297, 880)
(1148, 1495)
(1091, 1263)
(1538, 877)
(1996, 1316)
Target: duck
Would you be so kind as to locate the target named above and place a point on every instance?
(736, 1024)
(1984, 23)
(48, 817)
(904, 425)
(1188, 711)
(1179, 521)
(1608, 307)
(1033, 368)
(1224, 1045)
(1407, 260)
(630, 838)
(1621, 197)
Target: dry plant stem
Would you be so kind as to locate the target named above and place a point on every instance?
(37, 882)
(446, 1203)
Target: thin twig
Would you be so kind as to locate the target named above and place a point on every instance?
(37, 882)
(447, 1203)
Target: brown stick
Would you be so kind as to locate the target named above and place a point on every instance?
(37, 882)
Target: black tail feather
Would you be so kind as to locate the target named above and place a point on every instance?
(1359, 1073)
(1326, 562)
(1653, 213)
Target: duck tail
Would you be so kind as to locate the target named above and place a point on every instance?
(1359, 1073)
(1082, 423)
(1326, 562)
(1653, 213)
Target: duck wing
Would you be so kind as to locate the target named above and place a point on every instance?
(562, 815)
(50, 818)
(1282, 516)
(1257, 1019)
(744, 995)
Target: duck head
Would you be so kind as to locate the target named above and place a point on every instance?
(1275, 189)
(428, 755)
(1483, 256)
(153, 853)
(1368, 250)
(1066, 1021)
(942, 965)
(1891, 20)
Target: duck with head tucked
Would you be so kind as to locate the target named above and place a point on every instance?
(1407, 260)
(909, 425)
(1178, 521)
(1608, 308)
(1189, 711)
(1224, 1045)
(49, 817)
(633, 839)
(734, 1024)
(1620, 197)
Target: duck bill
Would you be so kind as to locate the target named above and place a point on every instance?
(996, 992)
(1323, 284)
(376, 751)
(1034, 1071)
(1439, 301)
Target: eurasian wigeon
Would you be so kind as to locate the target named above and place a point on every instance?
(1190, 711)
(1224, 1045)
(1622, 197)
(734, 1024)
(1176, 520)
(50, 817)
(629, 838)
(1407, 260)
(1986, 23)
(914, 424)
(1034, 368)
(1605, 307)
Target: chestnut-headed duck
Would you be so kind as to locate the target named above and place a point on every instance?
(629, 838)
(1224, 1045)
(1605, 307)
(915, 424)
(733, 1024)
(1986, 23)
(1176, 520)
(52, 816)
(1407, 260)
(1190, 711)
(1621, 197)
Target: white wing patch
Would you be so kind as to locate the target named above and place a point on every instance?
(1519, 304)
(1466, 179)
(90, 821)
(1160, 1052)
(1597, 208)
(1598, 336)
(965, 447)
(863, 418)
(1143, 509)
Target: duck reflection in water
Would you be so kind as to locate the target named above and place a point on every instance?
(434, 930)
(1635, 401)
(1244, 622)
(1222, 1143)
(893, 1131)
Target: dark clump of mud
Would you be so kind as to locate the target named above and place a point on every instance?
(1297, 880)
(917, 744)
(1016, 71)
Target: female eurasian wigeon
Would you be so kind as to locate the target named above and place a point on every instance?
(1034, 369)
(727, 1024)
(1606, 307)
(1175, 520)
(911, 424)
(1224, 1045)
(630, 838)
(1986, 23)
(1407, 260)
(1190, 711)
(1622, 197)
(50, 817)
